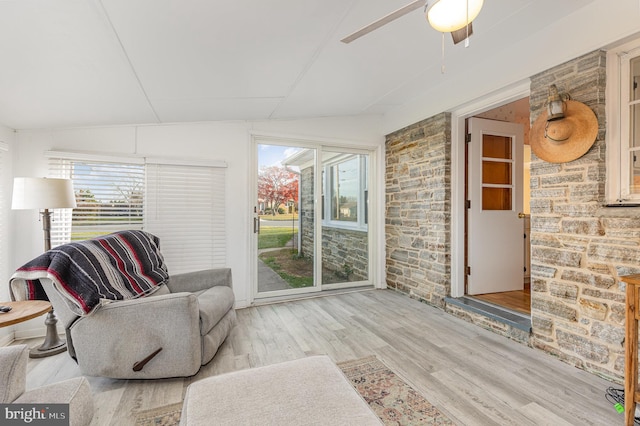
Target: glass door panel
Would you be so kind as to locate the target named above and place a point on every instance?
(345, 228)
(284, 220)
(497, 172)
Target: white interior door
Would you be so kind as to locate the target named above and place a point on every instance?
(495, 234)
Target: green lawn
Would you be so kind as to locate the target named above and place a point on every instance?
(287, 216)
(278, 264)
(272, 237)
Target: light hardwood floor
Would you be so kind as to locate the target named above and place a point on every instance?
(519, 300)
(476, 377)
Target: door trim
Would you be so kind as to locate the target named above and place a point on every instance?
(509, 94)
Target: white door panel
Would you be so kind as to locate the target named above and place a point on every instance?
(495, 230)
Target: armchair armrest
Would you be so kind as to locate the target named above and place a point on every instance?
(200, 280)
(13, 372)
(132, 330)
(76, 392)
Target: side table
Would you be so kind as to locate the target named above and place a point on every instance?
(28, 309)
(632, 315)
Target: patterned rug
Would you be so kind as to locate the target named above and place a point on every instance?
(393, 400)
(169, 415)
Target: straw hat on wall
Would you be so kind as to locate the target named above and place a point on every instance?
(566, 139)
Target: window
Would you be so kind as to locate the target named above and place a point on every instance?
(345, 191)
(109, 195)
(623, 124)
(183, 203)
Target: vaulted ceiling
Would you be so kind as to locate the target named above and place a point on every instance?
(104, 62)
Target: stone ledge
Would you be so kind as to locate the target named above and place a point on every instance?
(511, 318)
(622, 211)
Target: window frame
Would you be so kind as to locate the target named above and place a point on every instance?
(361, 224)
(618, 139)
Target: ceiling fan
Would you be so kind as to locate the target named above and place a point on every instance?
(446, 16)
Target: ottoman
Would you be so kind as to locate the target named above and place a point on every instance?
(307, 391)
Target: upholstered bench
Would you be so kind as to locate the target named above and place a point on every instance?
(307, 391)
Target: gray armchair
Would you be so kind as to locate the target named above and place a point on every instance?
(13, 374)
(125, 317)
(169, 333)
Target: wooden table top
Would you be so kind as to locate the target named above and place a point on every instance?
(631, 279)
(23, 311)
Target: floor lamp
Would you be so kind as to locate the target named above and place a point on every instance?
(45, 194)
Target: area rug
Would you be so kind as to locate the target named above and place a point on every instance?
(168, 415)
(393, 400)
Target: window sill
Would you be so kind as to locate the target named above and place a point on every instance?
(344, 227)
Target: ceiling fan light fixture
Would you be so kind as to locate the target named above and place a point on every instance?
(451, 15)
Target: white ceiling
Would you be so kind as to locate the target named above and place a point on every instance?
(104, 62)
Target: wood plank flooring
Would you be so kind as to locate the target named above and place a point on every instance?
(474, 376)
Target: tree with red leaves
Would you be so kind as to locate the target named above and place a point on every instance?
(276, 186)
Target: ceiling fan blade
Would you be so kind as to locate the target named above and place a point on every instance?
(384, 20)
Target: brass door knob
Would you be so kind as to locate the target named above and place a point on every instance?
(521, 215)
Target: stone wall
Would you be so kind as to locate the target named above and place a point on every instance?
(345, 252)
(306, 212)
(579, 248)
(418, 209)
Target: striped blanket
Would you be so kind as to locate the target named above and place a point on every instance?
(119, 266)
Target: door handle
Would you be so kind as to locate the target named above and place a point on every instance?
(521, 215)
(256, 225)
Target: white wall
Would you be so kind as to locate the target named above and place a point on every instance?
(8, 137)
(228, 141)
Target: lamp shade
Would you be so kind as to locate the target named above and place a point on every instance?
(42, 193)
(450, 15)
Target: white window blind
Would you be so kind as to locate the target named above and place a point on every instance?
(109, 195)
(185, 207)
(181, 202)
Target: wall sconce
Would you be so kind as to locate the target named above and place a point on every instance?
(555, 104)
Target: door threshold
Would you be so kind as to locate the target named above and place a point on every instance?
(504, 315)
(300, 296)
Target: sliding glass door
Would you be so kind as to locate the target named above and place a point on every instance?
(310, 218)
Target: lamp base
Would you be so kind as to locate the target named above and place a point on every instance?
(53, 344)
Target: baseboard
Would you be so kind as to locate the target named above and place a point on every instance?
(7, 339)
(30, 333)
